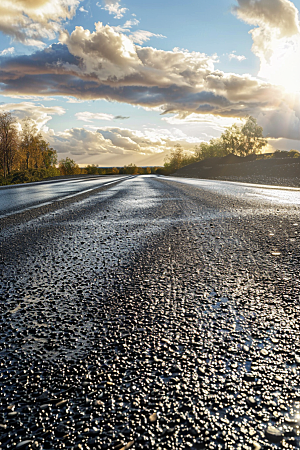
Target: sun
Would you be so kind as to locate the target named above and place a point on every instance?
(283, 67)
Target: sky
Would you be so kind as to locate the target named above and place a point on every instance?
(114, 82)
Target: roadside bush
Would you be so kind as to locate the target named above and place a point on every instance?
(68, 167)
(283, 154)
(28, 176)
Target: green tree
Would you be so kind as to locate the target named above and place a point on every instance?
(29, 140)
(243, 140)
(35, 152)
(131, 169)
(285, 154)
(232, 140)
(210, 149)
(252, 138)
(8, 143)
(294, 154)
(49, 155)
(92, 169)
(175, 159)
(68, 167)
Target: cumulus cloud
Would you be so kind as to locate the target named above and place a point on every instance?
(282, 123)
(124, 139)
(112, 58)
(278, 15)
(38, 113)
(138, 36)
(119, 141)
(87, 116)
(79, 141)
(7, 51)
(141, 36)
(32, 21)
(107, 65)
(114, 7)
(130, 23)
(233, 55)
(284, 144)
(208, 121)
(105, 53)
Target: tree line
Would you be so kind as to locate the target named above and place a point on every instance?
(241, 140)
(25, 156)
(69, 167)
(130, 169)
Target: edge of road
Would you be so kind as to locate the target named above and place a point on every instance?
(57, 180)
(34, 211)
(258, 186)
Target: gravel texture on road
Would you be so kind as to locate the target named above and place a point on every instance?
(152, 315)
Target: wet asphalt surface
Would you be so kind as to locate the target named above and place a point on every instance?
(31, 195)
(151, 315)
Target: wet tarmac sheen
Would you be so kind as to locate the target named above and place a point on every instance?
(16, 198)
(156, 314)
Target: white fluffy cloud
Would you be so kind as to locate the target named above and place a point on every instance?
(87, 116)
(208, 120)
(138, 36)
(40, 114)
(32, 21)
(280, 16)
(79, 141)
(141, 36)
(119, 141)
(114, 7)
(111, 57)
(233, 55)
(105, 53)
(129, 24)
(7, 51)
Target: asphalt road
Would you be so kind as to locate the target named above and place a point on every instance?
(158, 313)
(16, 198)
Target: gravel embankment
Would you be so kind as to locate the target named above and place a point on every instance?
(273, 171)
(151, 316)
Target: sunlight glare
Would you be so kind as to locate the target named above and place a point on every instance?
(283, 68)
